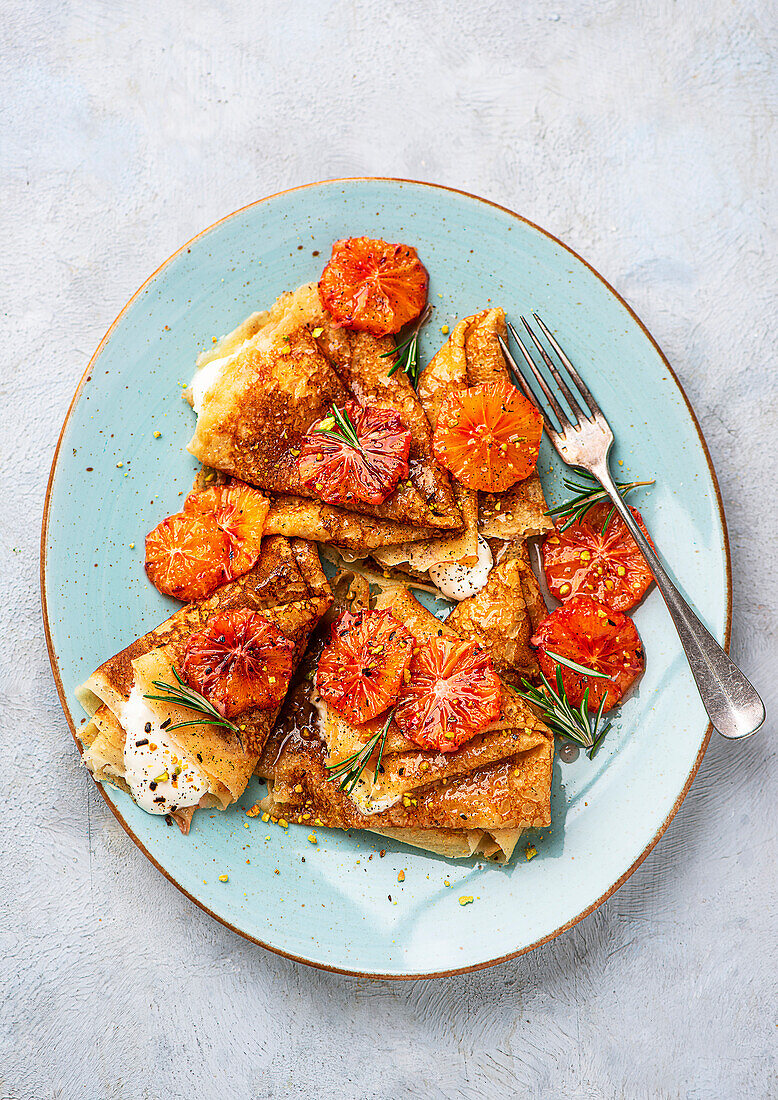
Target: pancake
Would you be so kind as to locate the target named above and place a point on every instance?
(286, 586)
(304, 518)
(261, 388)
(471, 356)
(504, 614)
(496, 784)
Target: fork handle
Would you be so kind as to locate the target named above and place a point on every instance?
(732, 703)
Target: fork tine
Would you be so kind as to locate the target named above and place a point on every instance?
(529, 393)
(559, 412)
(581, 385)
(555, 374)
(520, 380)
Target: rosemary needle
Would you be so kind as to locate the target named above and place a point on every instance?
(346, 429)
(561, 717)
(349, 771)
(406, 354)
(588, 492)
(181, 695)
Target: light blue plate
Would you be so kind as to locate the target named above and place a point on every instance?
(112, 481)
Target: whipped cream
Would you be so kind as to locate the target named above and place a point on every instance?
(204, 381)
(159, 776)
(457, 581)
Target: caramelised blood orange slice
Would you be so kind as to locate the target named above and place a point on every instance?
(488, 436)
(187, 556)
(240, 511)
(357, 454)
(605, 564)
(239, 661)
(361, 668)
(373, 286)
(453, 693)
(589, 633)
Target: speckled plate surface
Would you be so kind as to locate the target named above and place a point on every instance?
(333, 905)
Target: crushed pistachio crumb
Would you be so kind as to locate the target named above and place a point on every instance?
(266, 817)
(530, 851)
(465, 899)
(312, 838)
(401, 876)
(444, 329)
(224, 878)
(157, 435)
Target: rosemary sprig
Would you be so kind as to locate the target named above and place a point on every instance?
(561, 717)
(182, 695)
(349, 771)
(345, 429)
(588, 492)
(406, 354)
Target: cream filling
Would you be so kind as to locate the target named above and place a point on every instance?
(205, 380)
(371, 796)
(457, 581)
(159, 776)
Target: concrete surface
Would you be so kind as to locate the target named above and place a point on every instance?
(642, 134)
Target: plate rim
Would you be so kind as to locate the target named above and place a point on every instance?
(55, 666)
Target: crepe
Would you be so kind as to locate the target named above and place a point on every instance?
(486, 792)
(504, 614)
(471, 356)
(303, 518)
(286, 586)
(268, 381)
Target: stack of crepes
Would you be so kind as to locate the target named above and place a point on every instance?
(287, 587)
(477, 799)
(256, 394)
(260, 388)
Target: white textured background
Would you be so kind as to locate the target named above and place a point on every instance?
(644, 135)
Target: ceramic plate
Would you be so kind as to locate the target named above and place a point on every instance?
(339, 904)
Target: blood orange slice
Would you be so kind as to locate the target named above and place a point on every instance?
(357, 454)
(453, 693)
(362, 667)
(587, 632)
(240, 511)
(187, 556)
(605, 564)
(373, 286)
(488, 436)
(239, 661)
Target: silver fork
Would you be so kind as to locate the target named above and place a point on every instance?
(732, 703)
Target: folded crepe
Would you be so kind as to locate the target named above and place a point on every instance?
(359, 534)
(471, 356)
(504, 614)
(480, 797)
(260, 389)
(286, 586)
